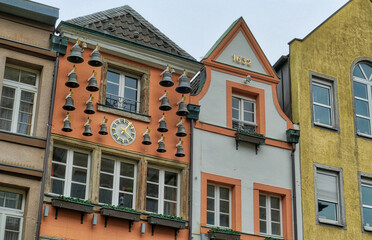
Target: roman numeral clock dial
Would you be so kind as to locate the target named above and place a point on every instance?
(123, 131)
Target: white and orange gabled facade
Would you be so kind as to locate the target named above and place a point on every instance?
(246, 169)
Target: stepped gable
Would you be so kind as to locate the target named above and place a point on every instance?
(123, 22)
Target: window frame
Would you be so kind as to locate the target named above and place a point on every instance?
(18, 213)
(241, 120)
(331, 84)
(116, 180)
(217, 211)
(161, 186)
(19, 87)
(268, 214)
(364, 179)
(68, 171)
(333, 171)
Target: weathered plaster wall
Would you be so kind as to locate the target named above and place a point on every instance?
(331, 50)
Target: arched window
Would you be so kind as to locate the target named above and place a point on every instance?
(362, 79)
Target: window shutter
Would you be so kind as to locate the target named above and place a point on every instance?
(327, 187)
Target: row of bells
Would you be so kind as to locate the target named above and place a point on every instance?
(180, 132)
(69, 106)
(76, 57)
(161, 145)
(182, 107)
(183, 86)
(87, 128)
(72, 82)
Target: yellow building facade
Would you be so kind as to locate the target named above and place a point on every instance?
(329, 74)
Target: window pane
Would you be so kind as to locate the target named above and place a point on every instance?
(23, 128)
(79, 175)
(57, 186)
(361, 108)
(5, 125)
(27, 96)
(322, 115)
(235, 103)
(275, 202)
(210, 218)
(248, 106)
(151, 205)
(24, 118)
(367, 217)
(367, 195)
(170, 178)
(275, 215)
(2, 198)
(105, 196)
(367, 69)
(152, 175)
(25, 107)
(131, 95)
(210, 204)
(327, 187)
(113, 77)
(6, 113)
(170, 208)
(321, 95)
(363, 126)
(12, 226)
(80, 159)
(28, 78)
(13, 200)
(59, 154)
(58, 170)
(248, 117)
(152, 190)
(78, 191)
(107, 165)
(112, 89)
(11, 74)
(106, 181)
(224, 207)
(224, 220)
(235, 114)
(127, 169)
(263, 213)
(357, 72)
(275, 228)
(360, 90)
(224, 193)
(126, 185)
(128, 199)
(263, 227)
(131, 82)
(262, 201)
(7, 97)
(210, 191)
(327, 210)
(170, 193)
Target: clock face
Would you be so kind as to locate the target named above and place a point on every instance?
(123, 131)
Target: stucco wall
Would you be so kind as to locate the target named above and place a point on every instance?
(331, 50)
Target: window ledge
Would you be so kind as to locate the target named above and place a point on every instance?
(330, 222)
(123, 113)
(364, 135)
(23, 139)
(326, 127)
(367, 228)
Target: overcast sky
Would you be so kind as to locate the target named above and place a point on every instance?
(195, 25)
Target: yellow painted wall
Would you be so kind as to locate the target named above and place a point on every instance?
(331, 50)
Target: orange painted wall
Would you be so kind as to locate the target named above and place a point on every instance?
(81, 95)
(68, 226)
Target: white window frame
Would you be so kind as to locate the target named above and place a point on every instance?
(161, 186)
(268, 215)
(365, 179)
(324, 84)
(241, 100)
(18, 86)
(368, 84)
(10, 212)
(68, 171)
(122, 86)
(332, 171)
(116, 181)
(217, 205)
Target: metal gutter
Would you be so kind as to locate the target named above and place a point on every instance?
(294, 192)
(191, 176)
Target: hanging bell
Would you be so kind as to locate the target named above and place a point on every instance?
(182, 109)
(87, 130)
(95, 61)
(161, 147)
(89, 109)
(69, 104)
(166, 81)
(146, 139)
(72, 80)
(184, 85)
(181, 132)
(103, 129)
(162, 126)
(165, 106)
(92, 86)
(180, 152)
(75, 56)
(67, 126)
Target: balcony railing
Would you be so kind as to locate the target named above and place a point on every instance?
(239, 125)
(122, 103)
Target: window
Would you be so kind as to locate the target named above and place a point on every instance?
(122, 91)
(162, 192)
(70, 173)
(270, 215)
(11, 214)
(366, 200)
(244, 114)
(362, 81)
(323, 107)
(328, 195)
(18, 98)
(218, 206)
(117, 183)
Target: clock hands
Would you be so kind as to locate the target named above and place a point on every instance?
(124, 130)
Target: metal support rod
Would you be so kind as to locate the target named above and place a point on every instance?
(82, 218)
(57, 209)
(106, 218)
(130, 225)
(152, 229)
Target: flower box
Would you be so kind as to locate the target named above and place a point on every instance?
(223, 235)
(76, 206)
(167, 222)
(251, 138)
(116, 213)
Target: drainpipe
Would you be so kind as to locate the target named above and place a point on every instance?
(294, 198)
(46, 156)
(191, 175)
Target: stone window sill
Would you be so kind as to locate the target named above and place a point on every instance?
(122, 113)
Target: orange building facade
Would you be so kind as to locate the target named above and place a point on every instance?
(112, 183)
